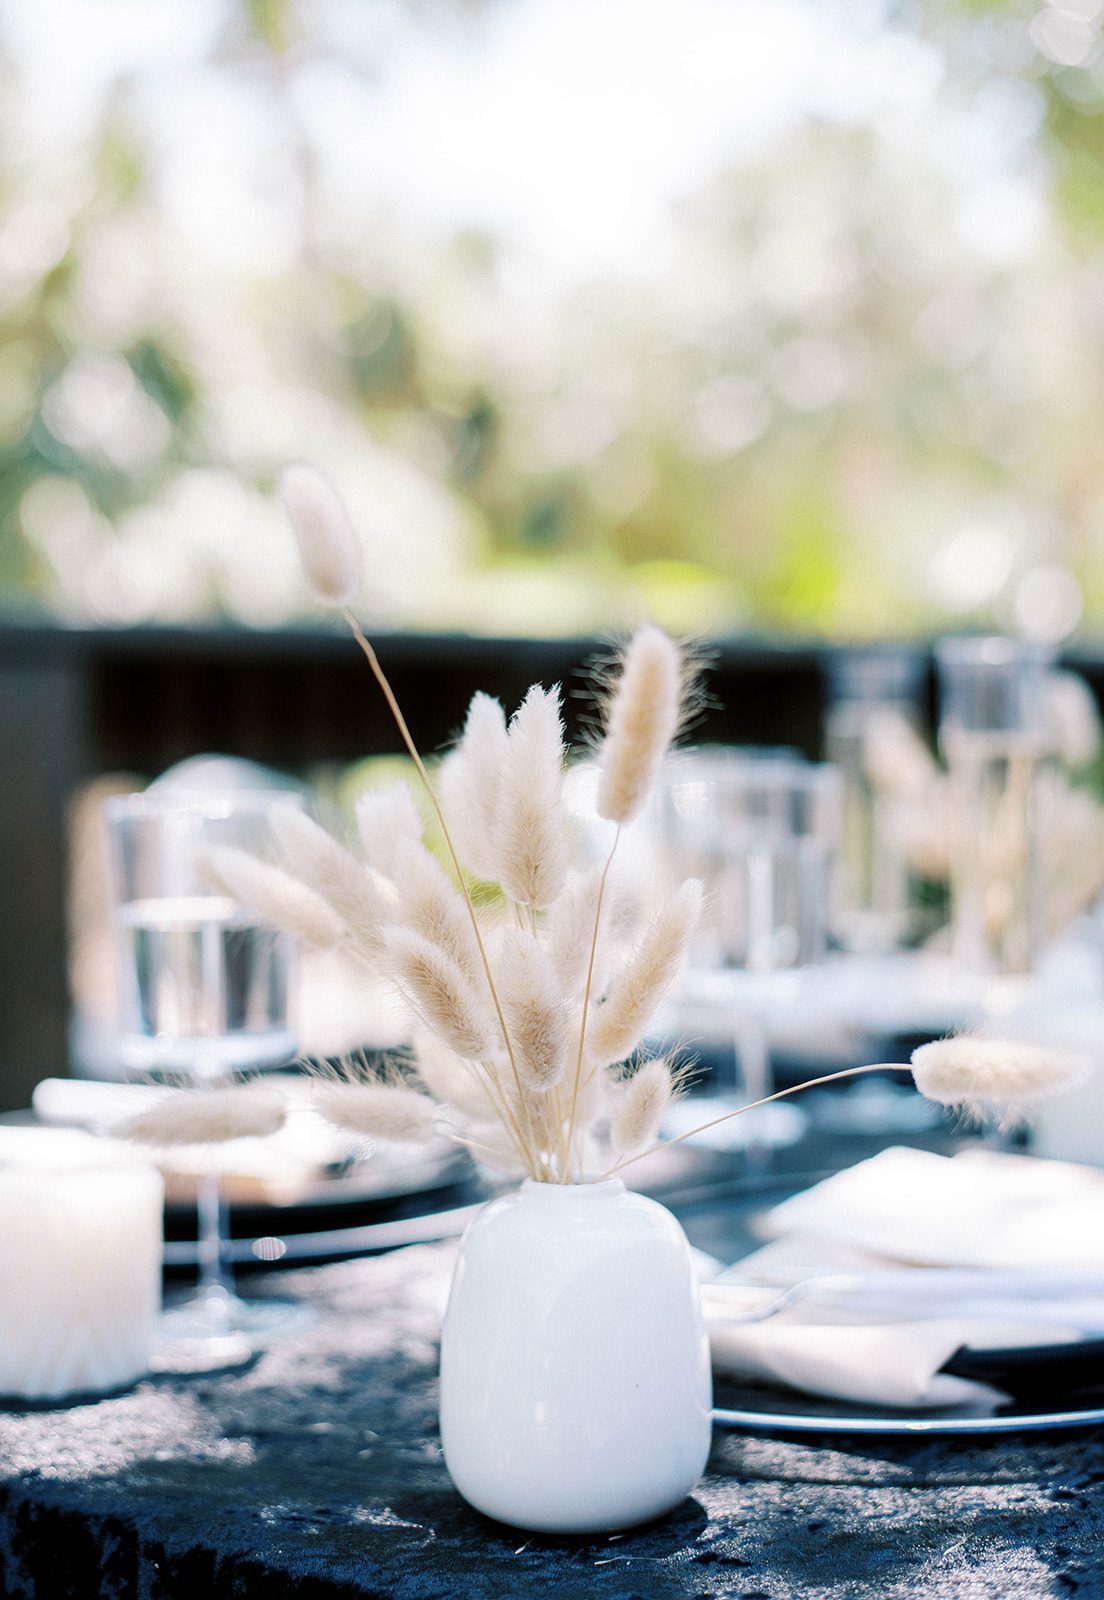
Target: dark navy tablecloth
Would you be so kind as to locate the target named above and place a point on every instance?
(317, 1472)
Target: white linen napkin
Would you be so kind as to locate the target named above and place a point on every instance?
(903, 1259)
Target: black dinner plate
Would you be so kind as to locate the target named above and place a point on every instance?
(1037, 1375)
(720, 1219)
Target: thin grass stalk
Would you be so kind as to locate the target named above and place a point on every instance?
(408, 740)
(466, 1141)
(503, 1107)
(565, 1157)
(505, 1110)
(753, 1105)
(497, 1097)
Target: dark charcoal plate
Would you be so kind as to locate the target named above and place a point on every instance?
(1037, 1403)
(334, 1226)
(932, 1424)
(1050, 1386)
(1038, 1376)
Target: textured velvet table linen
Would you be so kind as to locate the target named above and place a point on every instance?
(318, 1472)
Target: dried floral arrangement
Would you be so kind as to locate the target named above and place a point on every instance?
(917, 798)
(530, 1008)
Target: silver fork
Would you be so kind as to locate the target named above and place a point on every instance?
(1070, 1298)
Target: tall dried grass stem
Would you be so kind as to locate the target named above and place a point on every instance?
(412, 749)
(329, 549)
(569, 1136)
(207, 1116)
(752, 1105)
(998, 1075)
(535, 1012)
(572, 930)
(496, 1149)
(532, 842)
(442, 994)
(643, 719)
(429, 903)
(275, 896)
(470, 779)
(373, 1110)
(450, 1077)
(312, 855)
(640, 1107)
(618, 1024)
(387, 824)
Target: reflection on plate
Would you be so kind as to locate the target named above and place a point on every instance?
(377, 1176)
(286, 1246)
(1050, 1386)
(368, 1207)
(931, 1425)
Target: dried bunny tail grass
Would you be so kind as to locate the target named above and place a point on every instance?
(544, 1127)
(536, 1016)
(639, 1106)
(532, 836)
(993, 1075)
(388, 822)
(616, 1026)
(1074, 719)
(442, 995)
(311, 854)
(207, 1116)
(644, 715)
(450, 1078)
(895, 757)
(430, 904)
(596, 1088)
(274, 895)
(494, 1147)
(374, 1109)
(469, 781)
(328, 547)
(375, 911)
(571, 927)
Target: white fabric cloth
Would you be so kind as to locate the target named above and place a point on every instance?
(903, 1259)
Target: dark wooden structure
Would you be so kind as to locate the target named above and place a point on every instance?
(77, 703)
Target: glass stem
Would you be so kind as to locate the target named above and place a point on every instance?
(215, 1280)
(753, 1068)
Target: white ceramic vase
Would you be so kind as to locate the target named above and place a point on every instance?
(576, 1392)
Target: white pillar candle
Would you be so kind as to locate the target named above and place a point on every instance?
(80, 1278)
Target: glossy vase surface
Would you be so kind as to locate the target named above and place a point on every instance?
(575, 1381)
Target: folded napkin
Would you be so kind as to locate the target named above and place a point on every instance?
(902, 1260)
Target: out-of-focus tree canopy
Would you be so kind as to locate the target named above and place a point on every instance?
(768, 313)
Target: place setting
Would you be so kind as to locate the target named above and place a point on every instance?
(917, 1291)
(552, 843)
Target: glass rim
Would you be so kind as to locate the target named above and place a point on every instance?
(776, 773)
(213, 804)
(990, 650)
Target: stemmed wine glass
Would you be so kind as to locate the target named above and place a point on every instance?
(760, 829)
(995, 735)
(204, 996)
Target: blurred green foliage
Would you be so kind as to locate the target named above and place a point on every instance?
(862, 395)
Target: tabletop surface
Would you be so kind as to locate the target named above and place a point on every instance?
(317, 1472)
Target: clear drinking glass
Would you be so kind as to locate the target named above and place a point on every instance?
(994, 735)
(872, 722)
(204, 994)
(760, 830)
